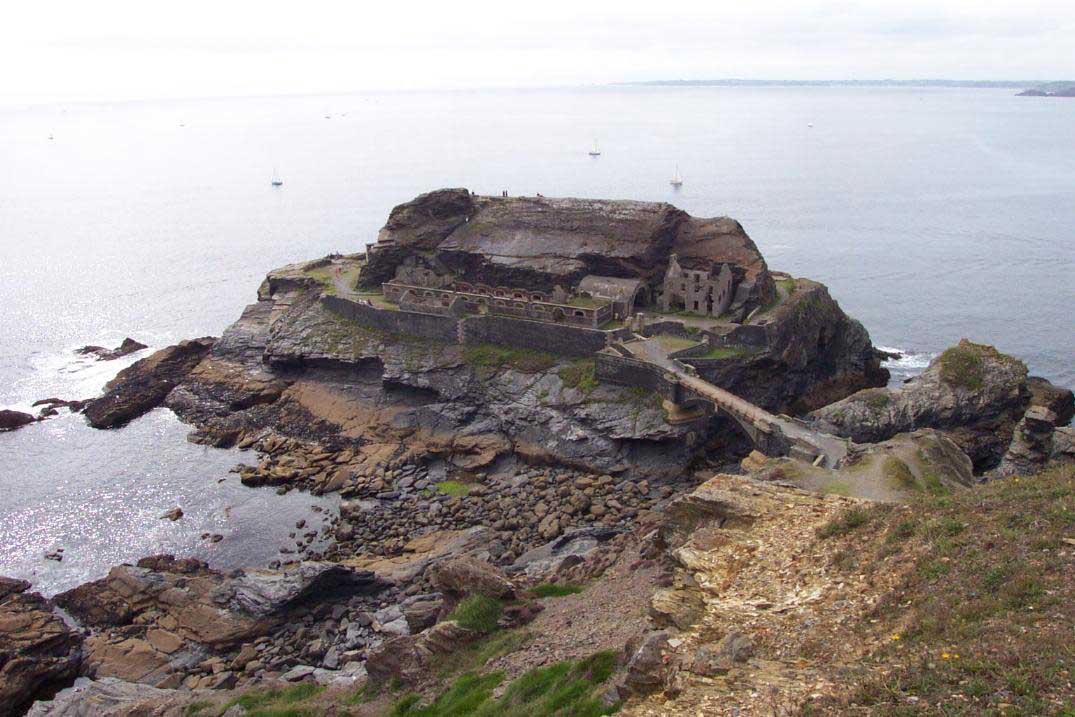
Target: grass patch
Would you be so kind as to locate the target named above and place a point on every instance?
(962, 366)
(982, 623)
(546, 590)
(673, 343)
(580, 374)
(724, 352)
(478, 613)
(196, 708)
(490, 357)
(475, 655)
(453, 488)
(560, 690)
(848, 521)
(836, 487)
(283, 702)
(897, 474)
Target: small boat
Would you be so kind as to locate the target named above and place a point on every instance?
(595, 152)
(676, 180)
(276, 181)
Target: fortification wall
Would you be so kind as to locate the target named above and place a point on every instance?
(633, 372)
(426, 326)
(536, 335)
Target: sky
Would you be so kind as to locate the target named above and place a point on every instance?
(125, 49)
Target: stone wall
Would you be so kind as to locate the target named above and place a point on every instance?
(473, 330)
(628, 371)
(536, 335)
(426, 326)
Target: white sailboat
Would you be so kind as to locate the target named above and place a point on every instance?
(595, 152)
(676, 180)
(276, 181)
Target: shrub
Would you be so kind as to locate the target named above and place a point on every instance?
(478, 613)
(545, 590)
(844, 523)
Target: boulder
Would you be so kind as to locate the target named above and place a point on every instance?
(1035, 442)
(717, 659)
(38, 651)
(647, 667)
(397, 657)
(10, 420)
(421, 611)
(680, 607)
(1059, 400)
(145, 384)
(468, 576)
(547, 560)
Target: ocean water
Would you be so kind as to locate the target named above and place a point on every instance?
(932, 214)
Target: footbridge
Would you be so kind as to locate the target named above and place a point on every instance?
(679, 383)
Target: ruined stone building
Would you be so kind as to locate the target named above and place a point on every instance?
(697, 284)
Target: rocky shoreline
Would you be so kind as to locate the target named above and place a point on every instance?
(486, 474)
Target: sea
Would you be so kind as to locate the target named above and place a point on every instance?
(931, 213)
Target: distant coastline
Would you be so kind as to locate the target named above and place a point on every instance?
(732, 82)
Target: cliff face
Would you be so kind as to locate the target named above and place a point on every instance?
(816, 354)
(539, 242)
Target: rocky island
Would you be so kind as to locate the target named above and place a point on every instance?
(593, 456)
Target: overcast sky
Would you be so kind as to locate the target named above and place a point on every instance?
(148, 48)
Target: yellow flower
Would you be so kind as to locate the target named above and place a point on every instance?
(895, 637)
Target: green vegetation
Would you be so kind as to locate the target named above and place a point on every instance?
(877, 399)
(962, 365)
(580, 374)
(196, 708)
(897, 474)
(673, 343)
(545, 590)
(787, 286)
(560, 690)
(278, 702)
(724, 352)
(476, 654)
(453, 488)
(587, 302)
(850, 520)
(491, 358)
(836, 487)
(478, 613)
(982, 623)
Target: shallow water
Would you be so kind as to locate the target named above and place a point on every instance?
(932, 214)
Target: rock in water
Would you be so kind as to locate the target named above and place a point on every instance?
(10, 420)
(129, 346)
(38, 651)
(145, 384)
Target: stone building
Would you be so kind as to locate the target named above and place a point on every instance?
(697, 284)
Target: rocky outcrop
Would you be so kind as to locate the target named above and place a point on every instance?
(11, 420)
(145, 384)
(807, 353)
(38, 651)
(1035, 442)
(109, 697)
(972, 392)
(539, 242)
(466, 576)
(164, 620)
(127, 347)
